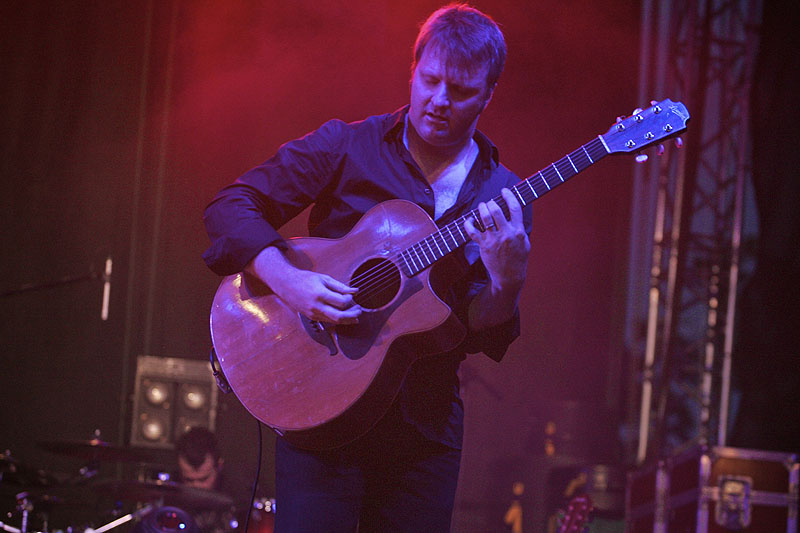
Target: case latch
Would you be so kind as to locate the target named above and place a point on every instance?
(733, 510)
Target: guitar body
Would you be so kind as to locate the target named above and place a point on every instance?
(322, 386)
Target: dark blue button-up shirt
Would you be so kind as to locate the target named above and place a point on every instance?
(344, 170)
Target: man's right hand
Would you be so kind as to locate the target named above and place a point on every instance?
(316, 296)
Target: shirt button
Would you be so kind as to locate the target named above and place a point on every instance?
(427, 191)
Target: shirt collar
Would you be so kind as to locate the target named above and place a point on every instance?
(393, 132)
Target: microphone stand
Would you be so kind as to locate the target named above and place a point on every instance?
(69, 280)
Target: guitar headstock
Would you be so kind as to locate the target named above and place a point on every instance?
(577, 514)
(652, 125)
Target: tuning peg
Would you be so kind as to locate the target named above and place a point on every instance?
(660, 149)
(619, 119)
(637, 111)
(653, 102)
(679, 142)
(641, 158)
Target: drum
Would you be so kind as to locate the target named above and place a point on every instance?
(166, 520)
(262, 515)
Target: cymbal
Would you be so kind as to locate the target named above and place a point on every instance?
(97, 450)
(12, 472)
(170, 493)
(45, 498)
(7, 463)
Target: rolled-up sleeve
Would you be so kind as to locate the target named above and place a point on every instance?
(244, 217)
(494, 340)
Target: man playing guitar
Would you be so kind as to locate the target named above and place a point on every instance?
(401, 475)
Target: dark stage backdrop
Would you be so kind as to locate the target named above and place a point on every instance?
(122, 119)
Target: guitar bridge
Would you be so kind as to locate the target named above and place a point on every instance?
(320, 333)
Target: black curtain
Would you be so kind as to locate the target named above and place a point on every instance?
(766, 353)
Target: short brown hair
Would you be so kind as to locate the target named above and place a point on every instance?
(467, 37)
(195, 444)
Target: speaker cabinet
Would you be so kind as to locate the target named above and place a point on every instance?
(171, 395)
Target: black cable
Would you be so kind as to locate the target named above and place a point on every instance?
(29, 287)
(255, 481)
(222, 382)
(225, 387)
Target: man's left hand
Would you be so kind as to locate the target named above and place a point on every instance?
(504, 246)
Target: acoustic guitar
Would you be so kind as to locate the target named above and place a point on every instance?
(321, 386)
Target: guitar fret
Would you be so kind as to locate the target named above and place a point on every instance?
(413, 262)
(444, 237)
(408, 267)
(519, 196)
(449, 228)
(441, 254)
(412, 268)
(573, 164)
(544, 180)
(415, 258)
(528, 181)
(579, 159)
(587, 154)
(421, 252)
(566, 169)
(458, 227)
(604, 143)
(557, 172)
(599, 148)
(430, 250)
(444, 240)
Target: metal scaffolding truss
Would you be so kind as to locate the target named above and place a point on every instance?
(687, 219)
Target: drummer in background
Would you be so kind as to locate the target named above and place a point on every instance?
(200, 467)
(199, 460)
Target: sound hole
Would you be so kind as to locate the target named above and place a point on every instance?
(378, 281)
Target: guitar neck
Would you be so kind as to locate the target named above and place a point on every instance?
(449, 238)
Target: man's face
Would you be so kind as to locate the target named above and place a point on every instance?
(202, 477)
(446, 103)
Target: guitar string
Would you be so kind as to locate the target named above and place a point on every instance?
(383, 274)
(373, 270)
(385, 269)
(380, 276)
(438, 239)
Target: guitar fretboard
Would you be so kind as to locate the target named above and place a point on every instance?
(435, 246)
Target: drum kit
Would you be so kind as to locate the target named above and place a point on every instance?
(151, 503)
